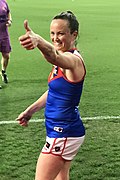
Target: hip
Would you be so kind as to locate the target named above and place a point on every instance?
(66, 148)
(59, 129)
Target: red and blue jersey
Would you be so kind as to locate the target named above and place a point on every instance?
(62, 115)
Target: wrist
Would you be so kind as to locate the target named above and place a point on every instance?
(10, 20)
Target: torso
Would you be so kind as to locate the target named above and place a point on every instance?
(62, 106)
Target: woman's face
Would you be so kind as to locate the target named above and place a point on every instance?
(60, 35)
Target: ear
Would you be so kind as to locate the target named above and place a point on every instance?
(75, 34)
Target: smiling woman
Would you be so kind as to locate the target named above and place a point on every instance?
(64, 127)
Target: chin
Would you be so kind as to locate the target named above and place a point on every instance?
(60, 49)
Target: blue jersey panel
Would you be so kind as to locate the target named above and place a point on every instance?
(62, 116)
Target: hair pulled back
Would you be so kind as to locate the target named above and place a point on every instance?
(71, 18)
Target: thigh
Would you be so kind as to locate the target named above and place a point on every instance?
(48, 166)
(64, 172)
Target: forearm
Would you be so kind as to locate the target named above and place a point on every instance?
(53, 56)
(47, 50)
(36, 106)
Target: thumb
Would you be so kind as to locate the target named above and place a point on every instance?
(26, 26)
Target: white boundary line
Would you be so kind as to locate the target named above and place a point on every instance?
(84, 118)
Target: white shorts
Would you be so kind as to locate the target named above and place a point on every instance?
(66, 148)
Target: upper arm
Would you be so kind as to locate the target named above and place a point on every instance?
(72, 65)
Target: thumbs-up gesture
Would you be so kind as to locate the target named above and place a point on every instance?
(29, 40)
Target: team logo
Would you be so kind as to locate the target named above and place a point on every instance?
(57, 148)
(58, 129)
(47, 145)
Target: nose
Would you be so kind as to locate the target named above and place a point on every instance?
(56, 37)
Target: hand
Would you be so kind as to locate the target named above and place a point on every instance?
(23, 119)
(30, 40)
(9, 23)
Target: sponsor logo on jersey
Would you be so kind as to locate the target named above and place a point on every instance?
(57, 148)
(58, 129)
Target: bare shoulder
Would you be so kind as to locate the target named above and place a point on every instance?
(77, 58)
(78, 71)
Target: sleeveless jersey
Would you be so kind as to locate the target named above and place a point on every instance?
(62, 117)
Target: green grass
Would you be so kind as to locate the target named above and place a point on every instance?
(98, 158)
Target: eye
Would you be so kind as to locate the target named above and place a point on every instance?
(52, 33)
(61, 33)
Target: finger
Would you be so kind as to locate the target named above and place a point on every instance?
(26, 26)
(28, 47)
(22, 122)
(24, 38)
(25, 41)
(18, 119)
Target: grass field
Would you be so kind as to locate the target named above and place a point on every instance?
(99, 157)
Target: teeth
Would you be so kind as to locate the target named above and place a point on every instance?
(57, 44)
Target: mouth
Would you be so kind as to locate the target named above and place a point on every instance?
(57, 45)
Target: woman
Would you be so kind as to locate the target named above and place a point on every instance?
(64, 127)
(5, 47)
